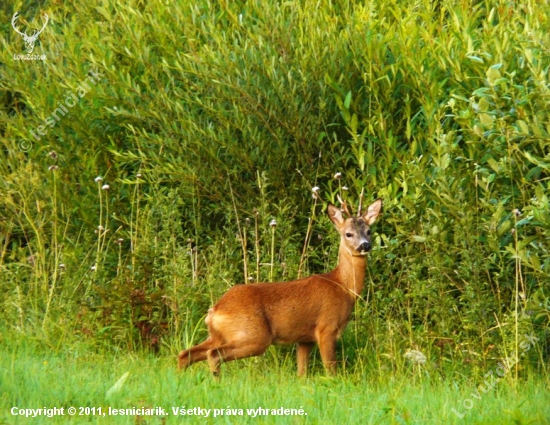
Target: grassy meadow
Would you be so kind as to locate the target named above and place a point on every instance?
(79, 377)
(154, 154)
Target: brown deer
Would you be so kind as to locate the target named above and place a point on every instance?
(249, 318)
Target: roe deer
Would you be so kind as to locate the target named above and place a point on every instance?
(251, 317)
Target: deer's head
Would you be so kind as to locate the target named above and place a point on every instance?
(28, 39)
(355, 232)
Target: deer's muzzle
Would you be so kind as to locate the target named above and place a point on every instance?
(364, 247)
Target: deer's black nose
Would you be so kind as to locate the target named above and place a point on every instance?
(364, 247)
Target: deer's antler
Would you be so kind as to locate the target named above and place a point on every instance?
(344, 205)
(15, 28)
(360, 202)
(37, 33)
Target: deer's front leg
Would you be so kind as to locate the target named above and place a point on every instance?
(327, 348)
(302, 356)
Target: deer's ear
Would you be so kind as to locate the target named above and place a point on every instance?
(373, 212)
(335, 215)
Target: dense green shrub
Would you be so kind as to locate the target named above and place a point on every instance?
(209, 119)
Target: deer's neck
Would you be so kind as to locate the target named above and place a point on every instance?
(350, 272)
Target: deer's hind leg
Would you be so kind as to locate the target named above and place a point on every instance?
(234, 351)
(198, 353)
(242, 336)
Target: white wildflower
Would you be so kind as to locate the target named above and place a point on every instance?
(315, 192)
(415, 357)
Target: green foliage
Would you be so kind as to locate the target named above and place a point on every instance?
(210, 119)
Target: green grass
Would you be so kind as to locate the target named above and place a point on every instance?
(35, 378)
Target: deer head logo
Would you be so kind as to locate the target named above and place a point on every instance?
(29, 39)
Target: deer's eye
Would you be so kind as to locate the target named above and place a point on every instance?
(349, 235)
(368, 232)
